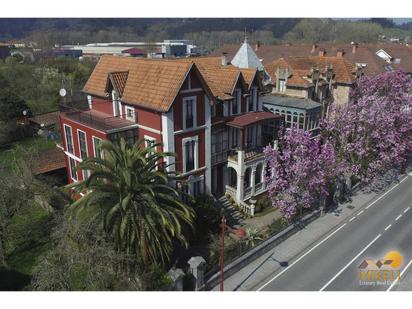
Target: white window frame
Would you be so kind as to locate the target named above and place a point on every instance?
(71, 137)
(196, 152)
(85, 173)
(94, 146)
(71, 170)
(148, 138)
(85, 139)
(193, 99)
(119, 104)
(129, 108)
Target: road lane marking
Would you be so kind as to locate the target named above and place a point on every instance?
(360, 212)
(402, 180)
(353, 218)
(398, 217)
(301, 257)
(330, 235)
(400, 276)
(351, 261)
(387, 228)
(406, 210)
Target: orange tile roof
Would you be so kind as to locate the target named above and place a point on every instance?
(300, 68)
(119, 80)
(151, 83)
(154, 83)
(363, 53)
(222, 78)
(48, 160)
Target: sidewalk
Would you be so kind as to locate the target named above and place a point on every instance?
(262, 269)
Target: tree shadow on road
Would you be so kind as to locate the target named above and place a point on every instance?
(283, 264)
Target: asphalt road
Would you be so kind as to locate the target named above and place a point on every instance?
(331, 264)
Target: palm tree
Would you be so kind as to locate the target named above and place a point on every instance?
(129, 190)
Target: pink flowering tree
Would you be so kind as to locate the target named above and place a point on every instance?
(299, 172)
(373, 132)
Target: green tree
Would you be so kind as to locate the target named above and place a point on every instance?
(129, 191)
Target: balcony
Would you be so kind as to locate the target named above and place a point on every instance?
(97, 120)
(250, 154)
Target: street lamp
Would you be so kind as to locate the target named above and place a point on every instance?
(240, 233)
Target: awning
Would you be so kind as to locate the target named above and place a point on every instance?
(248, 119)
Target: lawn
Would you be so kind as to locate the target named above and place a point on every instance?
(31, 144)
(29, 238)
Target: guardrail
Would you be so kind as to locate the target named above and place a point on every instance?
(212, 279)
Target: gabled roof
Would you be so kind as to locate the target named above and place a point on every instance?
(361, 53)
(118, 80)
(222, 79)
(246, 58)
(150, 83)
(300, 68)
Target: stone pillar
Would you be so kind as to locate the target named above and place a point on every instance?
(252, 180)
(240, 175)
(239, 187)
(177, 276)
(197, 264)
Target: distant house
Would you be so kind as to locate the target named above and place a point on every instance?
(320, 78)
(365, 55)
(301, 113)
(134, 52)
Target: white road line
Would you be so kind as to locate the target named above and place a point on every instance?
(330, 235)
(387, 228)
(360, 212)
(400, 276)
(373, 203)
(398, 217)
(301, 257)
(406, 209)
(347, 265)
(351, 219)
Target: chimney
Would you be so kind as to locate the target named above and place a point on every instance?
(224, 59)
(314, 46)
(354, 47)
(340, 53)
(257, 45)
(322, 53)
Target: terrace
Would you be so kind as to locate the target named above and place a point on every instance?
(97, 120)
